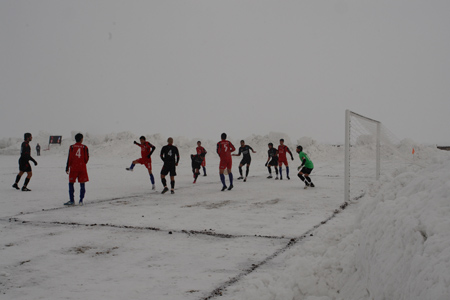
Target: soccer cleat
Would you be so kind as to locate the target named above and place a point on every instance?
(230, 187)
(281, 178)
(311, 184)
(288, 177)
(153, 187)
(172, 192)
(16, 186)
(205, 174)
(276, 178)
(240, 177)
(80, 203)
(305, 187)
(129, 169)
(224, 188)
(245, 179)
(25, 189)
(164, 190)
(270, 176)
(69, 203)
(195, 181)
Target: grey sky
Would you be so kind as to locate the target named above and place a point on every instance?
(200, 68)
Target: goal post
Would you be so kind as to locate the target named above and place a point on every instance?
(360, 131)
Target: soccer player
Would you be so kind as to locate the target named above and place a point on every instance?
(282, 150)
(201, 150)
(246, 159)
(197, 160)
(24, 163)
(306, 167)
(76, 168)
(224, 149)
(272, 160)
(38, 149)
(147, 150)
(170, 156)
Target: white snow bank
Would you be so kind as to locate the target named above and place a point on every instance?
(395, 245)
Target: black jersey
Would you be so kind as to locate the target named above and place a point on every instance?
(170, 154)
(272, 153)
(25, 153)
(245, 151)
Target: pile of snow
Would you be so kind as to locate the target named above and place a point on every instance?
(394, 245)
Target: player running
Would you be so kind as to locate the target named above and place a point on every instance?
(282, 150)
(76, 168)
(24, 163)
(201, 150)
(246, 159)
(170, 156)
(197, 160)
(272, 160)
(147, 150)
(224, 149)
(306, 167)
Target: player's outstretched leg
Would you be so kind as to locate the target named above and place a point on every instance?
(131, 167)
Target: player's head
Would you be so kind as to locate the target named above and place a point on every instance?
(142, 138)
(299, 149)
(78, 138)
(27, 136)
(282, 141)
(199, 143)
(170, 141)
(223, 136)
(242, 143)
(270, 145)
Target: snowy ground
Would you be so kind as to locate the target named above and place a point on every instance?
(265, 239)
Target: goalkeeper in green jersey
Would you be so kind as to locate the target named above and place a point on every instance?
(306, 167)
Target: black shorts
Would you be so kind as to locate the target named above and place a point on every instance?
(246, 161)
(24, 166)
(169, 168)
(273, 162)
(306, 170)
(196, 165)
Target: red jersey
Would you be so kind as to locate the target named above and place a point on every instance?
(78, 157)
(282, 150)
(201, 150)
(224, 149)
(146, 149)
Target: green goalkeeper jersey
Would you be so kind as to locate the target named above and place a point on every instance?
(308, 163)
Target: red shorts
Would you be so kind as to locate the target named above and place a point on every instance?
(82, 176)
(225, 163)
(282, 160)
(147, 162)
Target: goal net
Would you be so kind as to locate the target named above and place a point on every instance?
(370, 151)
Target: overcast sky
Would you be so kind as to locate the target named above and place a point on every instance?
(200, 68)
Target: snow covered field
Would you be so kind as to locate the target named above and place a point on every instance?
(265, 239)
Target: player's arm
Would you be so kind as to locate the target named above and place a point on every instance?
(177, 155)
(86, 156)
(252, 149)
(32, 159)
(303, 160)
(162, 153)
(204, 151)
(68, 160)
(151, 152)
(217, 150)
(136, 143)
(239, 154)
(289, 151)
(232, 148)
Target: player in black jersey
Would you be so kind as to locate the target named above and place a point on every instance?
(24, 162)
(246, 159)
(197, 160)
(170, 156)
(272, 160)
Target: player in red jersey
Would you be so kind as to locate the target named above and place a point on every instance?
(282, 159)
(76, 168)
(224, 149)
(202, 151)
(146, 159)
